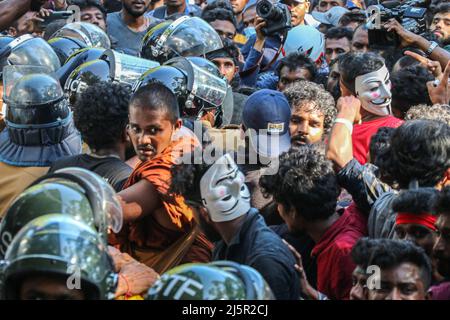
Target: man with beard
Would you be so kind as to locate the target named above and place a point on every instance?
(222, 202)
(160, 230)
(129, 25)
(440, 25)
(441, 249)
(313, 112)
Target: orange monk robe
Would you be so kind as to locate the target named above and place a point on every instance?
(147, 233)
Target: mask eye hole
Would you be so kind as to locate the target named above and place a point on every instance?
(227, 198)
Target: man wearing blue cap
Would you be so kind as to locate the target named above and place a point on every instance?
(265, 121)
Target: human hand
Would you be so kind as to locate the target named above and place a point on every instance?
(135, 278)
(433, 66)
(307, 289)
(407, 38)
(440, 93)
(349, 108)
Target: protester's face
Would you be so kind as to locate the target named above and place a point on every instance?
(333, 78)
(359, 279)
(420, 235)
(224, 28)
(360, 41)
(403, 282)
(440, 25)
(325, 5)
(238, 5)
(306, 125)
(136, 8)
(248, 17)
(374, 91)
(47, 288)
(441, 250)
(295, 227)
(288, 77)
(226, 67)
(150, 131)
(94, 16)
(336, 47)
(298, 10)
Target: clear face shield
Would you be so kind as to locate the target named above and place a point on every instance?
(27, 50)
(191, 36)
(12, 74)
(110, 215)
(89, 33)
(126, 68)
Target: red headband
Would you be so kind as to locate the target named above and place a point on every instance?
(425, 219)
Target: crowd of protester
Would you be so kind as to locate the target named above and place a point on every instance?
(154, 149)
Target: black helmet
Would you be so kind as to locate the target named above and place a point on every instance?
(33, 98)
(84, 76)
(26, 50)
(173, 78)
(111, 66)
(77, 59)
(75, 192)
(53, 245)
(88, 33)
(186, 36)
(196, 82)
(65, 47)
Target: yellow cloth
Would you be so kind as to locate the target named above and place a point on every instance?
(13, 180)
(138, 297)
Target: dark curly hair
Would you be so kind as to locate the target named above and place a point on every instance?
(354, 64)
(296, 60)
(419, 150)
(409, 87)
(101, 114)
(362, 250)
(416, 200)
(215, 12)
(389, 254)
(352, 16)
(339, 32)
(379, 142)
(437, 112)
(305, 93)
(305, 182)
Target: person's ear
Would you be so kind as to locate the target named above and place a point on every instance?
(236, 70)
(178, 124)
(445, 180)
(345, 92)
(12, 32)
(307, 6)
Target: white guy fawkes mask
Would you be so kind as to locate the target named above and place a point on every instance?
(374, 91)
(223, 190)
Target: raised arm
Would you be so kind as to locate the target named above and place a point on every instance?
(139, 200)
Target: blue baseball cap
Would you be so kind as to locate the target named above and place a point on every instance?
(266, 117)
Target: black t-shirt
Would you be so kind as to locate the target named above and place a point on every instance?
(113, 170)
